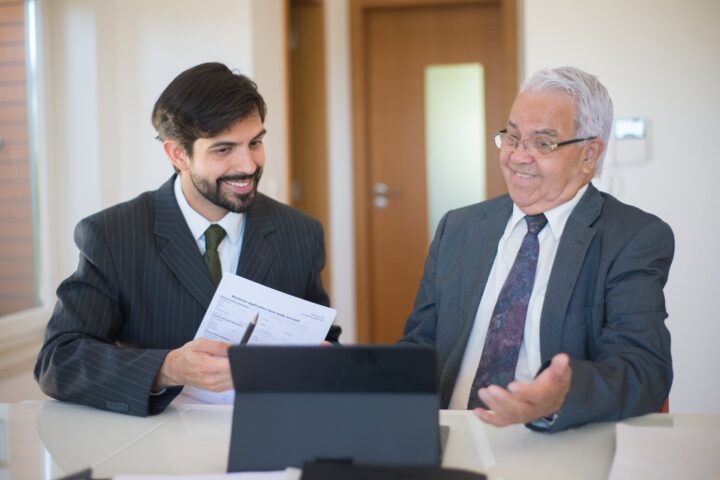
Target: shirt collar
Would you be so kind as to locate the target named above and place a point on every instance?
(231, 222)
(557, 217)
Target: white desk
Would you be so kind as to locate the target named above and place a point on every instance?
(45, 440)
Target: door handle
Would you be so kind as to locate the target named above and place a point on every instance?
(382, 192)
(382, 188)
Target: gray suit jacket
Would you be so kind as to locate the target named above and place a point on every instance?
(604, 304)
(142, 288)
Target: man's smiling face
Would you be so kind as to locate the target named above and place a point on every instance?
(224, 171)
(537, 183)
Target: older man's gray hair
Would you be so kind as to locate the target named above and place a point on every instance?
(594, 108)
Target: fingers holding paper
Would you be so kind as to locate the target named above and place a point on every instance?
(526, 402)
(201, 363)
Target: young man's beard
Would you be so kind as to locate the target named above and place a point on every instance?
(229, 201)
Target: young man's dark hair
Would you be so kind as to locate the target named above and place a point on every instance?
(204, 101)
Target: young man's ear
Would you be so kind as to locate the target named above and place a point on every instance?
(176, 154)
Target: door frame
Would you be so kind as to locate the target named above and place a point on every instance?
(359, 10)
(307, 127)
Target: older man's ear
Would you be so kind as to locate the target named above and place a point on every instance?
(593, 152)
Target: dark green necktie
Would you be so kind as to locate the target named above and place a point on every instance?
(213, 236)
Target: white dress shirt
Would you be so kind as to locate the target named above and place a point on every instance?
(529, 360)
(233, 223)
(229, 248)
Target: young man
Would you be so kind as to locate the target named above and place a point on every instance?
(120, 337)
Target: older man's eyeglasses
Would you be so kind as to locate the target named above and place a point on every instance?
(538, 144)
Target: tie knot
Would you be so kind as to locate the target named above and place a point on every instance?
(213, 236)
(535, 223)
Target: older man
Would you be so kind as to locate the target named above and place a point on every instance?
(546, 305)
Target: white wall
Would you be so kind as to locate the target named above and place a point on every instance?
(659, 60)
(340, 188)
(269, 70)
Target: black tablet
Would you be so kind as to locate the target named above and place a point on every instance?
(372, 405)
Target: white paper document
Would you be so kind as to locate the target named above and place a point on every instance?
(665, 453)
(281, 320)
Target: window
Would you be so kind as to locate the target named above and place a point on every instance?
(454, 128)
(18, 279)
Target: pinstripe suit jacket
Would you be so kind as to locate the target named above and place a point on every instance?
(604, 304)
(141, 289)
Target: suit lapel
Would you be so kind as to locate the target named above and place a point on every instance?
(569, 259)
(483, 235)
(257, 252)
(480, 243)
(179, 250)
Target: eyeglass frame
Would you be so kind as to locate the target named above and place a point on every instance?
(553, 146)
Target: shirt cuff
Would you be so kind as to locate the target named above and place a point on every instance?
(542, 424)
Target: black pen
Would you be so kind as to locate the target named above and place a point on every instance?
(249, 330)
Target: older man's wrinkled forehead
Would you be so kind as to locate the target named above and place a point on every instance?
(543, 113)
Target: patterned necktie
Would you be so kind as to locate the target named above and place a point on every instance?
(213, 236)
(507, 324)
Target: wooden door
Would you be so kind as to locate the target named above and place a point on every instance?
(308, 116)
(393, 44)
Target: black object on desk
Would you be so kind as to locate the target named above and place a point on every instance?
(374, 405)
(344, 471)
(81, 475)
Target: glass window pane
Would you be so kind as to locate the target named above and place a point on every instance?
(17, 269)
(455, 137)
